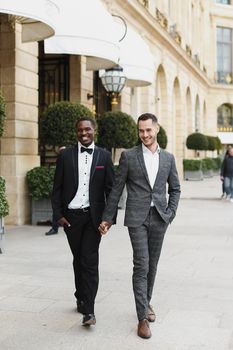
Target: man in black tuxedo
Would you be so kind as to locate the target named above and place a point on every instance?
(83, 179)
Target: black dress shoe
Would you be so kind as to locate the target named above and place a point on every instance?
(89, 320)
(80, 306)
(51, 232)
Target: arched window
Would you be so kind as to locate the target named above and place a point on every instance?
(225, 117)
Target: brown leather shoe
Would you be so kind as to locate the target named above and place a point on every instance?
(144, 329)
(151, 314)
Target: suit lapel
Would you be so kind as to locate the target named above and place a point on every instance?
(95, 159)
(142, 163)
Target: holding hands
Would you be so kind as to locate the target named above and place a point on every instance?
(104, 227)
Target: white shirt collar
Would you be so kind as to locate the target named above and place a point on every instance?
(91, 146)
(146, 149)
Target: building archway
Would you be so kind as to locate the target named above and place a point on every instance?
(197, 115)
(205, 121)
(161, 98)
(189, 111)
(178, 126)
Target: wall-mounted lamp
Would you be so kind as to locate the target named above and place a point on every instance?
(114, 81)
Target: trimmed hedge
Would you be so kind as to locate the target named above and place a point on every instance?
(4, 206)
(218, 144)
(40, 181)
(217, 163)
(202, 164)
(162, 138)
(208, 164)
(116, 130)
(212, 145)
(192, 164)
(197, 142)
(57, 124)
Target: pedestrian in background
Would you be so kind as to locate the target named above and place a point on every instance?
(227, 174)
(224, 195)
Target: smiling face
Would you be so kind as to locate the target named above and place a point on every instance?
(147, 132)
(85, 132)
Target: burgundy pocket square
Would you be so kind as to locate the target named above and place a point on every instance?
(99, 167)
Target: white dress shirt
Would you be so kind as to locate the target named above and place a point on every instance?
(81, 198)
(152, 164)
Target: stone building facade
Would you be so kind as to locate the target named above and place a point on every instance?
(191, 44)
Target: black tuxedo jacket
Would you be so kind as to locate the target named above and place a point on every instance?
(66, 182)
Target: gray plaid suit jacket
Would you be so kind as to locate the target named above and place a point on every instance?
(132, 172)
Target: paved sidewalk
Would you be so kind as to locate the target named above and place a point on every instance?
(193, 295)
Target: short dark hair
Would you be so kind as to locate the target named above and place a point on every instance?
(146, 116)
(90, 119)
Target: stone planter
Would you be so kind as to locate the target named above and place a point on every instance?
(195, 175)
(1, 234)
(216, 172)
(41, 211)
(208, 173)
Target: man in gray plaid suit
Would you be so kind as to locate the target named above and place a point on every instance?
(146, 169)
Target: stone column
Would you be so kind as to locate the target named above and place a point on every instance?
(19, 145)
(81, 81)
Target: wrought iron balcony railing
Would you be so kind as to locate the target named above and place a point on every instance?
(224, 77)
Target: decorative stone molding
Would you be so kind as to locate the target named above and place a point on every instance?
(196, 59)
(175, 34)
(188, 50)
(144, 3)
(161, 19)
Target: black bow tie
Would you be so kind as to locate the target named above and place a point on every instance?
(88, 150)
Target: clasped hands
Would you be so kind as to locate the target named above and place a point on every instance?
(104, 227)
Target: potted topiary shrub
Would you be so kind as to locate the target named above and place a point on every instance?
(57, 127)
(218, 144)
(197, 142)
(208, 165)
(117, 130)
(212, 146)
(217, 162)
(4, 209)
(162, 137)
(192, 169)
(40, 184)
